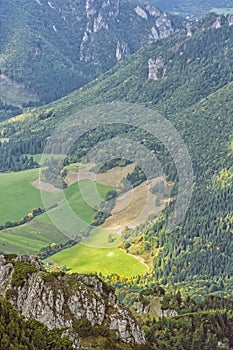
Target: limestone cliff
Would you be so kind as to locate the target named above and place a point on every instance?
(60, 300)
(119, 22)
(156, 69)
(66, 44)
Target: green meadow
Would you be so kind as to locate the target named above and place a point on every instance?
(29, 238)
(74, 213)
(18, 196)
(223, 11)
(102, 238)
(75, 210)
(98, 252)
(85, 259)
(74, 166)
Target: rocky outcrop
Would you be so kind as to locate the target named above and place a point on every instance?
(141, 308)
(140, 12)
(31, 260)
(189, 31)
(59, 300)
(98, 17)
(109, 16)
(156, 69)
(6, 272)
(83, 39)
(217, 23)
(230, 20)
(166, 313)
(122, 51)
(164, 26)
(153, 11)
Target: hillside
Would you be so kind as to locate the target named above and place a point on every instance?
(191, 84)
(48, 49)
(28, 229)
(191, 65)
(82, 312)
(80, 307)
(193, 8)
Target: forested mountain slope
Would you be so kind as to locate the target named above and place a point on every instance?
(192, 88)
(193, 8)
(192, 68)
(50, 48)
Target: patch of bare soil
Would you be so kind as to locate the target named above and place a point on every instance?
(44, 186)
(111, 177)
(134, 207)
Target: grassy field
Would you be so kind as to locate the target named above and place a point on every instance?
(75, 214)
(102, 238)
(84, 259)
(18, 196)
(97, 253)
(223, 11)
(74, 167)
(29, 238)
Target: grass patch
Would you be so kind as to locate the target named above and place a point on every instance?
(222, 11)
(18, 196)
(102, 238)
(84, 259)
(29, 238)
(38, 157)
(74, 167)
(78, 195)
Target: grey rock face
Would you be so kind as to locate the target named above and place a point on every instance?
(107, 16)
(60, 300)
(153, 11)
(167, 313)
(31, 260)
(217, 23)
(156, 69)
(189, 31)
(230, 20)
(140, 308)
(72, 337)
(140, 12)
(122, 51)
(6, 272)
(164, 26)
(126, 328)
(98, 18)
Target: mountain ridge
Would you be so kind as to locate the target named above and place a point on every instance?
(195, 97)
(56, 48)
(62, 301)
